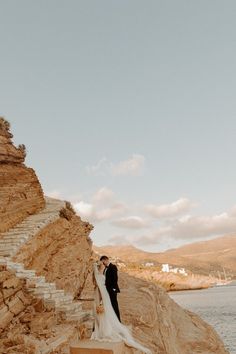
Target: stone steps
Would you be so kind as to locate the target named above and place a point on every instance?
(10, 244)
(97, 347)
(21, 233)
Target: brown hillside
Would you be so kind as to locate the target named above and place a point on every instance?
(206, 257)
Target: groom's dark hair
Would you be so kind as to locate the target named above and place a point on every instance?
(103, 258)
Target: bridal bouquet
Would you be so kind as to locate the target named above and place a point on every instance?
(100, 309)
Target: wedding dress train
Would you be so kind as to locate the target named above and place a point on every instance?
(107, 326)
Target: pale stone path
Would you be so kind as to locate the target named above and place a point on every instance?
(11, 242)
(96, 347)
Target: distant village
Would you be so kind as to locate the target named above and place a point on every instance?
(165, 268)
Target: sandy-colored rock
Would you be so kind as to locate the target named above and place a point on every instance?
(11, 299)
(8, 152)
(12, 282)
(16, 305)
(160, 324)
(61, 252)
(20, 194)
(20, 191)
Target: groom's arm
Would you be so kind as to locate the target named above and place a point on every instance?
(114, 276)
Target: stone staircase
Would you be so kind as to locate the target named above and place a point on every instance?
(97, 347)
(12, 241)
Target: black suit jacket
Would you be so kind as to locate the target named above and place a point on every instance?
(112, 278)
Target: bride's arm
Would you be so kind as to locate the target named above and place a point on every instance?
(95, 273)
(95, 268)
(100, 296)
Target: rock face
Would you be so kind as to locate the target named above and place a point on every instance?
(12, 297)
(8, 152)
(20, 190)
(61, 252)
(162, 325)
(26, 326)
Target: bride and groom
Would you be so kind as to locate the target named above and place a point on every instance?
(108, 326)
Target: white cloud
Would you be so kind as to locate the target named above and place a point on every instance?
(110, 212)
(204, 226)
(133, 166)
(100, 207)
(180, 206)
(102, 168)
(103, 195)
(130, 167)
(131, 222)
(119, 240)
(192, 229)
(85, 210)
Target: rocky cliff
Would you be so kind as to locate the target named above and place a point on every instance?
(51, 251)
(61, 252)
(20, 191)
(161, 324)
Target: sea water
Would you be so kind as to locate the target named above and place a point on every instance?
(217, 306)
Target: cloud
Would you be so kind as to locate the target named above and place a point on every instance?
(85, 210)
(100, 207)
(102, 168)
(204, 226)
(192, 228)
(111, 211)
(131, 222)
(180, 206)
(133, 166)
(119, 240)
(103, 195)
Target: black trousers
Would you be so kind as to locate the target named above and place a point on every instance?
(113, 297)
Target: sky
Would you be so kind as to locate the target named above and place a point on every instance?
(128, 110)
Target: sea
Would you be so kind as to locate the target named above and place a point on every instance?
(217, 306)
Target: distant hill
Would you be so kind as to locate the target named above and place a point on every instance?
(205, 257)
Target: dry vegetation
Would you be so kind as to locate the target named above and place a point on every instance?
(4, 124)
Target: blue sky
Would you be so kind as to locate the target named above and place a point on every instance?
(127, 108)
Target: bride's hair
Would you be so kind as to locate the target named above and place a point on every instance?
(100, 264)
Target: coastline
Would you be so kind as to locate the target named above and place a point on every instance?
(172, 282)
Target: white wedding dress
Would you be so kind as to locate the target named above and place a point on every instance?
(107, 326)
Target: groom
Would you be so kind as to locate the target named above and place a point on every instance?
(111, 283)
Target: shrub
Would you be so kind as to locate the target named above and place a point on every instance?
(22, 148)
(67, 212)
(4, 124)
(70, 207)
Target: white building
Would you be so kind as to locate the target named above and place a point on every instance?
(168, 269)
(165, 268)
(149, 264)
(182, 271)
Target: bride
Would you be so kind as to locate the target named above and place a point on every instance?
(107, 326)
